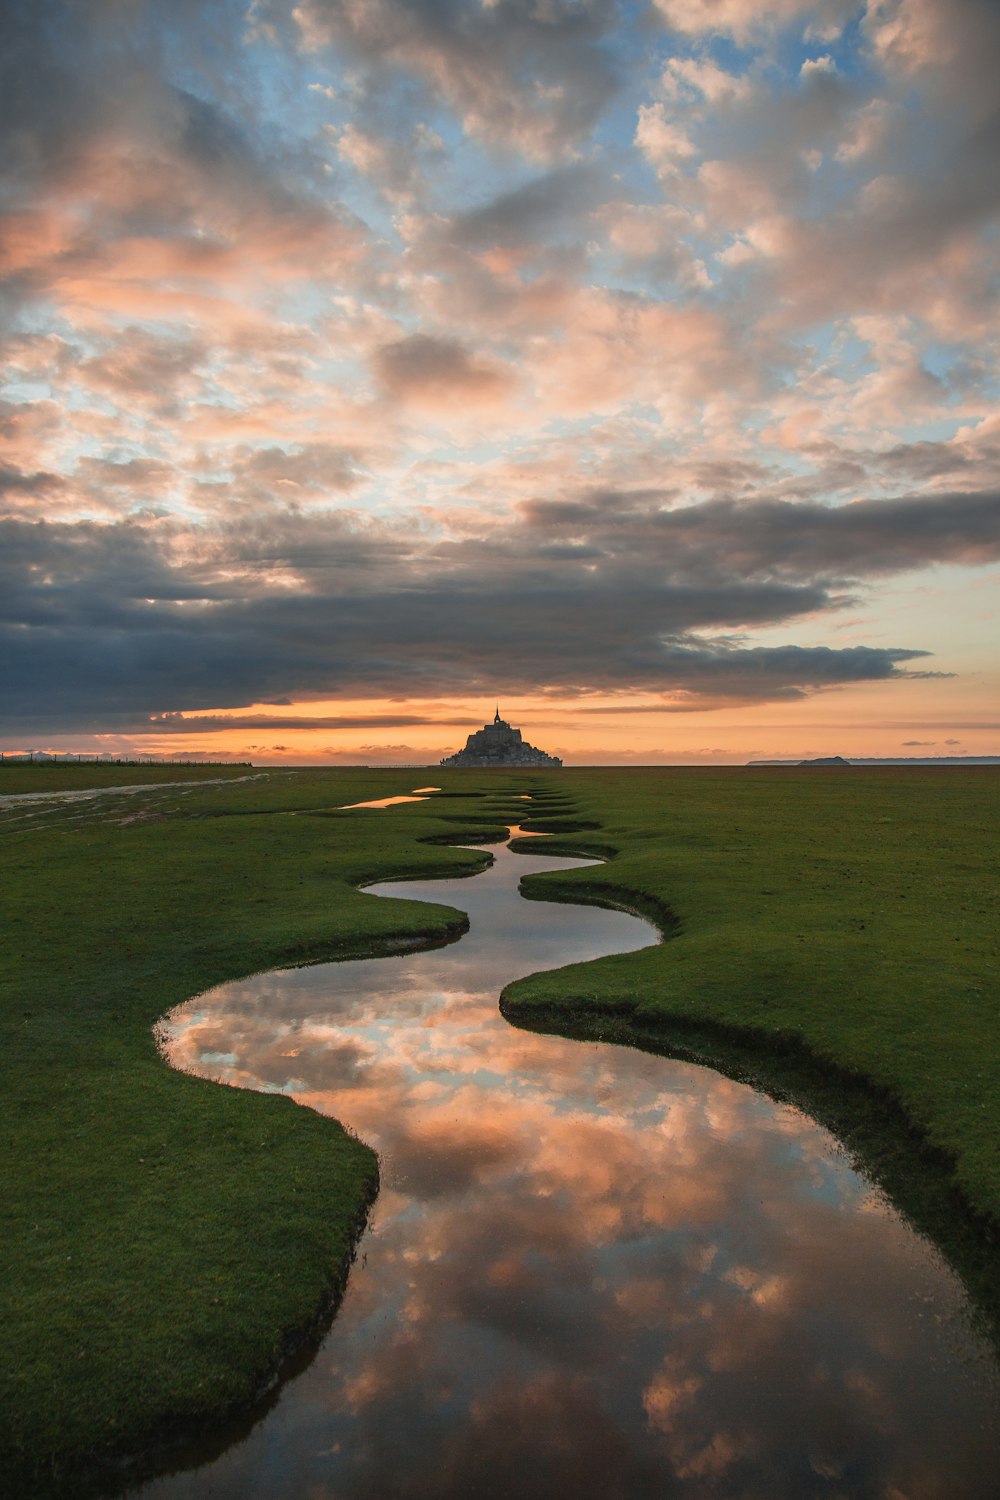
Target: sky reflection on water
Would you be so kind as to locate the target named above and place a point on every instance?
(591, 1272)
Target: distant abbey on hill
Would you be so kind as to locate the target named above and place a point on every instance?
(497, 744)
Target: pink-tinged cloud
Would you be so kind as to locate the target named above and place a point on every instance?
(439, 374)
(397, 346)
(741, 19)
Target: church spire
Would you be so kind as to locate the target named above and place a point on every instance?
(497, 719)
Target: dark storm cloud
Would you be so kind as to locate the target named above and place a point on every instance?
(517, 73)
(313, 468)
(548, 203)
(14, 483)
(925, 460)
(106, 625)
(866, 538)
(424, 366)
(46, 105)
(200, 723)
(952, 50)
(68, 72)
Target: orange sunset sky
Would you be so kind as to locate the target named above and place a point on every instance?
(630, 363)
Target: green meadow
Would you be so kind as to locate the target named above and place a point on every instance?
(831, 934)
(167, 1241)
(18, 776)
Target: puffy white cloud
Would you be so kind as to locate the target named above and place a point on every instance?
(696, 78)
(744, 19)
(665, 146)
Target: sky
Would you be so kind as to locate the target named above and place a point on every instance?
(630, 363)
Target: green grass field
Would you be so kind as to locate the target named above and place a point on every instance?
(167, 1240)
(832, 932)
(18, 776)
(833, 935)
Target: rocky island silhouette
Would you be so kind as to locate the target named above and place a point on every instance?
(499, 744)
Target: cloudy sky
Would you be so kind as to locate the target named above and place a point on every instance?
(630, 361)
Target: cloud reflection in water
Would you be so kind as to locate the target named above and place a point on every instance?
(591, 1271)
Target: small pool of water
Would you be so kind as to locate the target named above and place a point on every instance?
(415, 796)
(590, 1272)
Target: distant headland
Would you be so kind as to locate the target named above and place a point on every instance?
(886, 760)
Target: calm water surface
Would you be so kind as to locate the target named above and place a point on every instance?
(590, 1272)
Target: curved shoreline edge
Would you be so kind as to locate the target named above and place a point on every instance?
(868, 1120)
(871, 1127)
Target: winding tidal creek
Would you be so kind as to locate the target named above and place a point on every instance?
(590, 1271)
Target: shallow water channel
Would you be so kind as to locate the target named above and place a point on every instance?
(590, 1272)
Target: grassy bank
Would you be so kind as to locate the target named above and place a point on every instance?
(845, 917)
(166, 1241)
